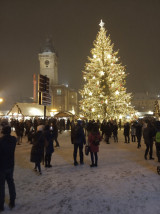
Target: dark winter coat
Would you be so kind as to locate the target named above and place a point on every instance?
(49, 142)
(55, 131)
(108, 130)
(37, 151)
(77, 135)
(138, 130)
(115, 129)
(126, 129)
(91, 139)
(7, 149)
(148, 134)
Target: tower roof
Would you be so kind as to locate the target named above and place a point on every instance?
(48, 46)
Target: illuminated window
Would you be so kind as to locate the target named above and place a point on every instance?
(59, 92)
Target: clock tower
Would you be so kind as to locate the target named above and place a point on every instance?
(48, 63)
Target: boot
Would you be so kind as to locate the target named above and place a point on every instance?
(11, 204)
(1, 208)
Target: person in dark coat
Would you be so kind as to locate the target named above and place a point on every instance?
(103, 127)
(94, 139)
(139, 134)
(49, 149)
(108, 132)
(115, 132)
(78, 139)
(7, 150)
(37, 151)
(18, 132)
(55, 132)
(133, 132)
(126, 132)
(148, 135)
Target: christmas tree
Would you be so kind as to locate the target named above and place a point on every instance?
(104, 94)
(156, 109)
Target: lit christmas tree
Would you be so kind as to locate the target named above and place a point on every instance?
(156, 109)
(104, 94)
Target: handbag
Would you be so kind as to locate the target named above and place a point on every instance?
(87, 150)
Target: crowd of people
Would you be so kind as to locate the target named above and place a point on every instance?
(43, 133)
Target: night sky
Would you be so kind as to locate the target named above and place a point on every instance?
(134, 27)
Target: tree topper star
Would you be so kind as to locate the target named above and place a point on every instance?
(101, 23)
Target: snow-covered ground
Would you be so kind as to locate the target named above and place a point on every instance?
(123, 182)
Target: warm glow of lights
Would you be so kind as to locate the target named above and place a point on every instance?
(93, 77)
(54, 110)
(93, 109)
(120, 116)
(1, 100)
(150, 112)
(35, 111)
(106, 101)
(108, 56)
(90, 93)
(101, 24)
(101, 73)
(117, 92)
(94, 56)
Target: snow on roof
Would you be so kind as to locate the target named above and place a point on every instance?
(28, 109)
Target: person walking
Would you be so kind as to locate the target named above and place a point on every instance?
(115, 132)
(37, 151)
(94, 139)
(139, 134)
(157, 140)
(18, 132)
(78, 139)
(126, 132)
(7, 151)
(133, 132)
(108, 132)
(148, 134)
(55, 132)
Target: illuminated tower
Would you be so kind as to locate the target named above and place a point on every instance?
(48, 63)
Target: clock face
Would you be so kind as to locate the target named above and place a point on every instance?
(46, 62)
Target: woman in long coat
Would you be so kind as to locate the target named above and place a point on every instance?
(37, 151)
(94, 139)
(49, 149)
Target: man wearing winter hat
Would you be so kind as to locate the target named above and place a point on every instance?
(7, 149)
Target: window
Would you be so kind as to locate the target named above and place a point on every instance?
(59, 92)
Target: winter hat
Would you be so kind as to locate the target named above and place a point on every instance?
(40, 128)
(6, 130)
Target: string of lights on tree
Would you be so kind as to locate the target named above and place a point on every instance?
(104, 94)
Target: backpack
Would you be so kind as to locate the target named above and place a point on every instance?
(158, 137)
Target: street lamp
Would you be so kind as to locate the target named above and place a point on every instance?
(1, 100)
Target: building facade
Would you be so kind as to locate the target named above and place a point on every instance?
(145, 103)
(63, 98)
